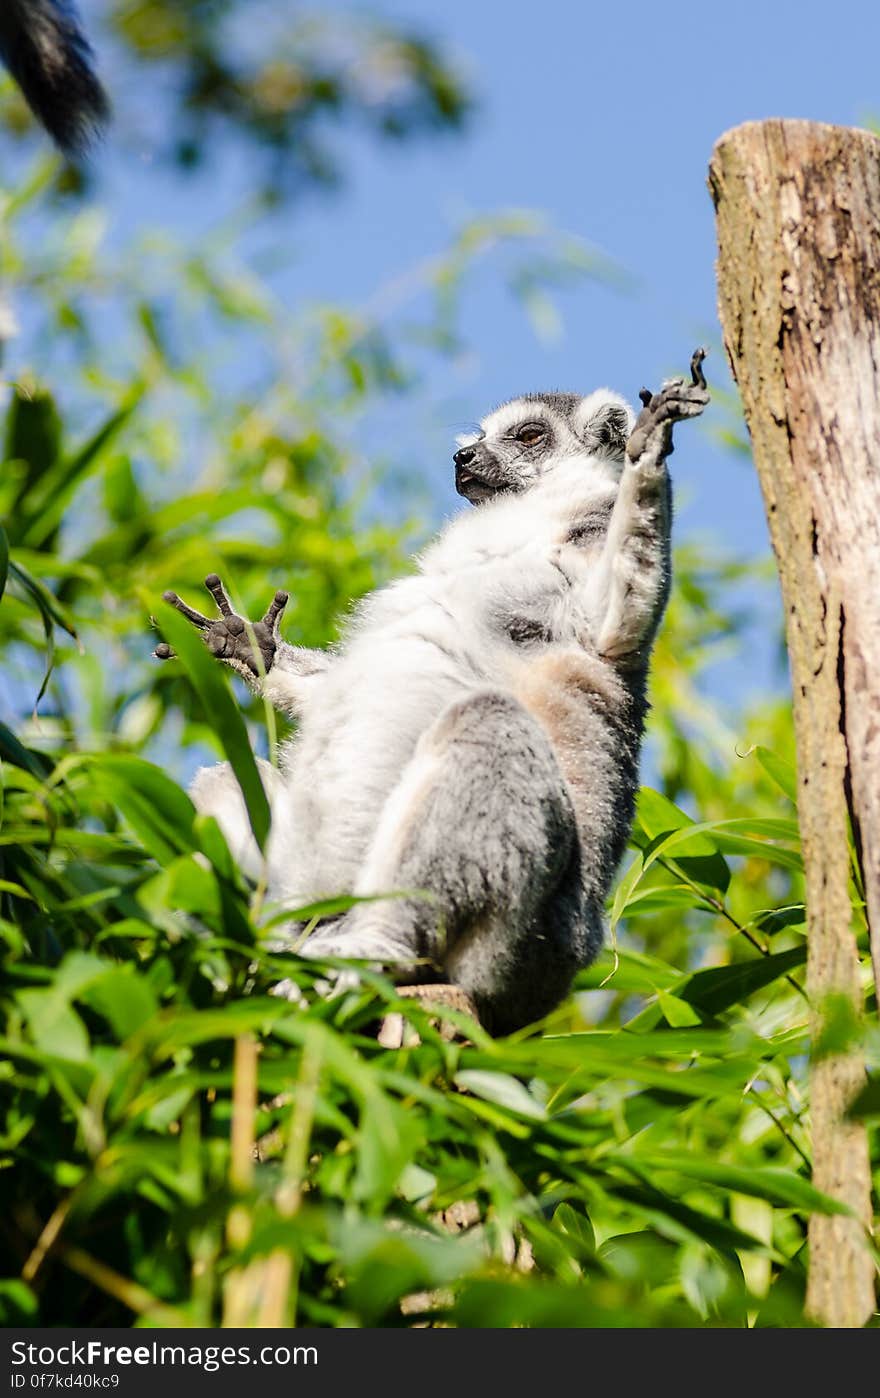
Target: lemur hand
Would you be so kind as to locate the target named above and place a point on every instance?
(229, 636)
(676, 401)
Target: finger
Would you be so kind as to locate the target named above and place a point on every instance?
(697, 374)
(163, 651)
(218, 592)
(276, 607)
(676, 409)
(645, 396)
(191, 615)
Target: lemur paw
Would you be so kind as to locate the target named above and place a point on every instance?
(676, 401)
(249, 646)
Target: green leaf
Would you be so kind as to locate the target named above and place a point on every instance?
(867, 1103)
(48, 502)
(730, 843)
(697, 858)
(726, 837)
(657, 815)
(78, 970)
(683, 1222)
(18, 1304)
(541, 1304)
(577, 1226)
(504, 1090)
(123, 998)
(51, 614)
(55, 1026)
(11, 750)
(160, 814)
(718, 988)
(782, 773)
(625, 888)
(184, 885)
(209, 839)
(185, 1029)
(33, 435)
(677, 1012)
(632, 972)
(840, 1029)
(778, 1186)
(662, 897)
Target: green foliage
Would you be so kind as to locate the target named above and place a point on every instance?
(137, 986)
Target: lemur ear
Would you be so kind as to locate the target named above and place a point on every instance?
(604, 422)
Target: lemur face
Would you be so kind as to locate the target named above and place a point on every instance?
(521, 441)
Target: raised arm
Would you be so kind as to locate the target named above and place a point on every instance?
(635, 568)
(282, 673)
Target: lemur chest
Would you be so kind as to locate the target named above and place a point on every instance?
(516, 578)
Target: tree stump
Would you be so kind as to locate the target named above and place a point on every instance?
(798, 220)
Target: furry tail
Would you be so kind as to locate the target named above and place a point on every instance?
(45, 49)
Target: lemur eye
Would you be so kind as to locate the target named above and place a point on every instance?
(531, 434)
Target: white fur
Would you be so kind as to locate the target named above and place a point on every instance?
(420, 643)
(594, 402)
(517, 411)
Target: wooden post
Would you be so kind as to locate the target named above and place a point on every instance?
(798, 219)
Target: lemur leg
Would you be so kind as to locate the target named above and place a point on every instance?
(216, 792)
(254, 649)
(481, 825)
(636, 555)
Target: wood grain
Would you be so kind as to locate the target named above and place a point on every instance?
(798, 221)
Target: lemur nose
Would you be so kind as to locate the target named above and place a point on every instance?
(464, 456)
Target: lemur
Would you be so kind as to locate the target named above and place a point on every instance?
(43, 45)
(472, 744)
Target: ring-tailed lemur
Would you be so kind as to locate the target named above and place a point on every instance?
(43, 45)
(473, 743)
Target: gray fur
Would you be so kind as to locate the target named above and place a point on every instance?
(473, 744)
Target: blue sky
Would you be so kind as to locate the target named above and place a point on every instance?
(602, 117)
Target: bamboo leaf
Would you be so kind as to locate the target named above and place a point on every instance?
(50, 498)
(782, 773)
(781, 1187)
(720, 987)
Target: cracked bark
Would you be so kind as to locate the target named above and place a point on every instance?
(798, 221)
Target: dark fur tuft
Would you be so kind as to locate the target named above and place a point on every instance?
(45, 49)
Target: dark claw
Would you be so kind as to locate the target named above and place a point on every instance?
(697, 375)
(645, 396)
